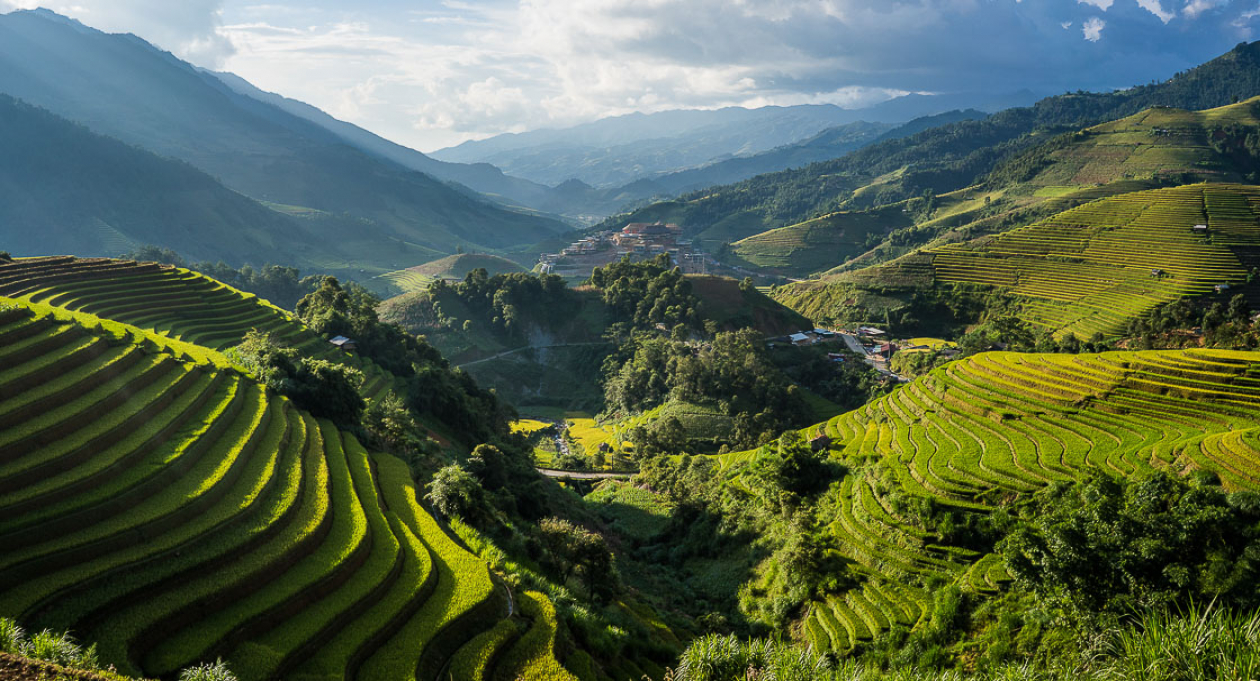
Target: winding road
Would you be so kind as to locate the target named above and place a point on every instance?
(578, 475)
(529, 347)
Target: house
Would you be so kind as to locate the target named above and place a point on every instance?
(835, 356)
(1157, 273)
(1199, 229)
(1221, 288)
(823, 333)
(819, 442)
(344, 343)
(869, 331)
(800, 339)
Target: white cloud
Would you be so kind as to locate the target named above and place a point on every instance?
(1093, 28)
(1194, 8)
(431, 73)
(187, 28)
(1154, 7)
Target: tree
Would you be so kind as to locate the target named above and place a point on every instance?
(455, 493)
(488, 464)
(319, 386)
(1118, 546)
(574, 551)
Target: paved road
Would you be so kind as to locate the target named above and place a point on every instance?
(530, 347)
(881, 367)
(576, 475)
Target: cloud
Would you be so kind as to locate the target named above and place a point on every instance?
(1157, 9)
(1092, 28)
(1194, 8)
(433, 73)
(187, 28)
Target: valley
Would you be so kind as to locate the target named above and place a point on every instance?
(791, 392)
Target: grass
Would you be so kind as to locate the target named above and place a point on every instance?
(633, 512)
(533, 655)
(473, 661)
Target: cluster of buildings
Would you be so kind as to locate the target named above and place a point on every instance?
(640, 240)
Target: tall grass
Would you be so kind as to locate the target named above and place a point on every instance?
(215, 671)
(1199, 644)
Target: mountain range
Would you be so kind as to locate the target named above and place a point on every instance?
(616, 151)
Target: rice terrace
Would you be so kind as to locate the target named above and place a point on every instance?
(783, 341)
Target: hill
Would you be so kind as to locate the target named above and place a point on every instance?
(122, 87)
(172, 511)
(1088, 270)
(891, 535)
(938, 160)
(177, 308)
(64, 188)
(451, 267)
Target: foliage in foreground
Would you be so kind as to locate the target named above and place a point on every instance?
(1200, 644)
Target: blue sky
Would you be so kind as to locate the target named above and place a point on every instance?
(429, 74)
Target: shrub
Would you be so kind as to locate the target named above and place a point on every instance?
(60, 649)
(11, 636)
(218, 671)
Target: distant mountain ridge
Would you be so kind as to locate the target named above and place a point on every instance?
(614, 151)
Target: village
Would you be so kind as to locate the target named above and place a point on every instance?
(637, 240)
(869, 343)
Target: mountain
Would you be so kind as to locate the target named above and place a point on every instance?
(123, 87)
(938, 160)
(481, 177)
(828, 144)
(618, 150)
(64, 189)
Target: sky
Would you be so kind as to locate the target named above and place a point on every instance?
(433, 73)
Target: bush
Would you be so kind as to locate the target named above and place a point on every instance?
(455, 493)
(218, 671)
(726, 658)
(60, 649)
(11, 636)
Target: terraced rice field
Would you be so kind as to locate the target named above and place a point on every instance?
(981, 430)
(1093, 268)
(173, 512)
(172, 302)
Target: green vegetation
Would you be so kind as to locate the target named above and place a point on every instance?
(889, 543)
(281, 285)
(1090, 270)
(451, 268)
(1198, 644)
(256, 535)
